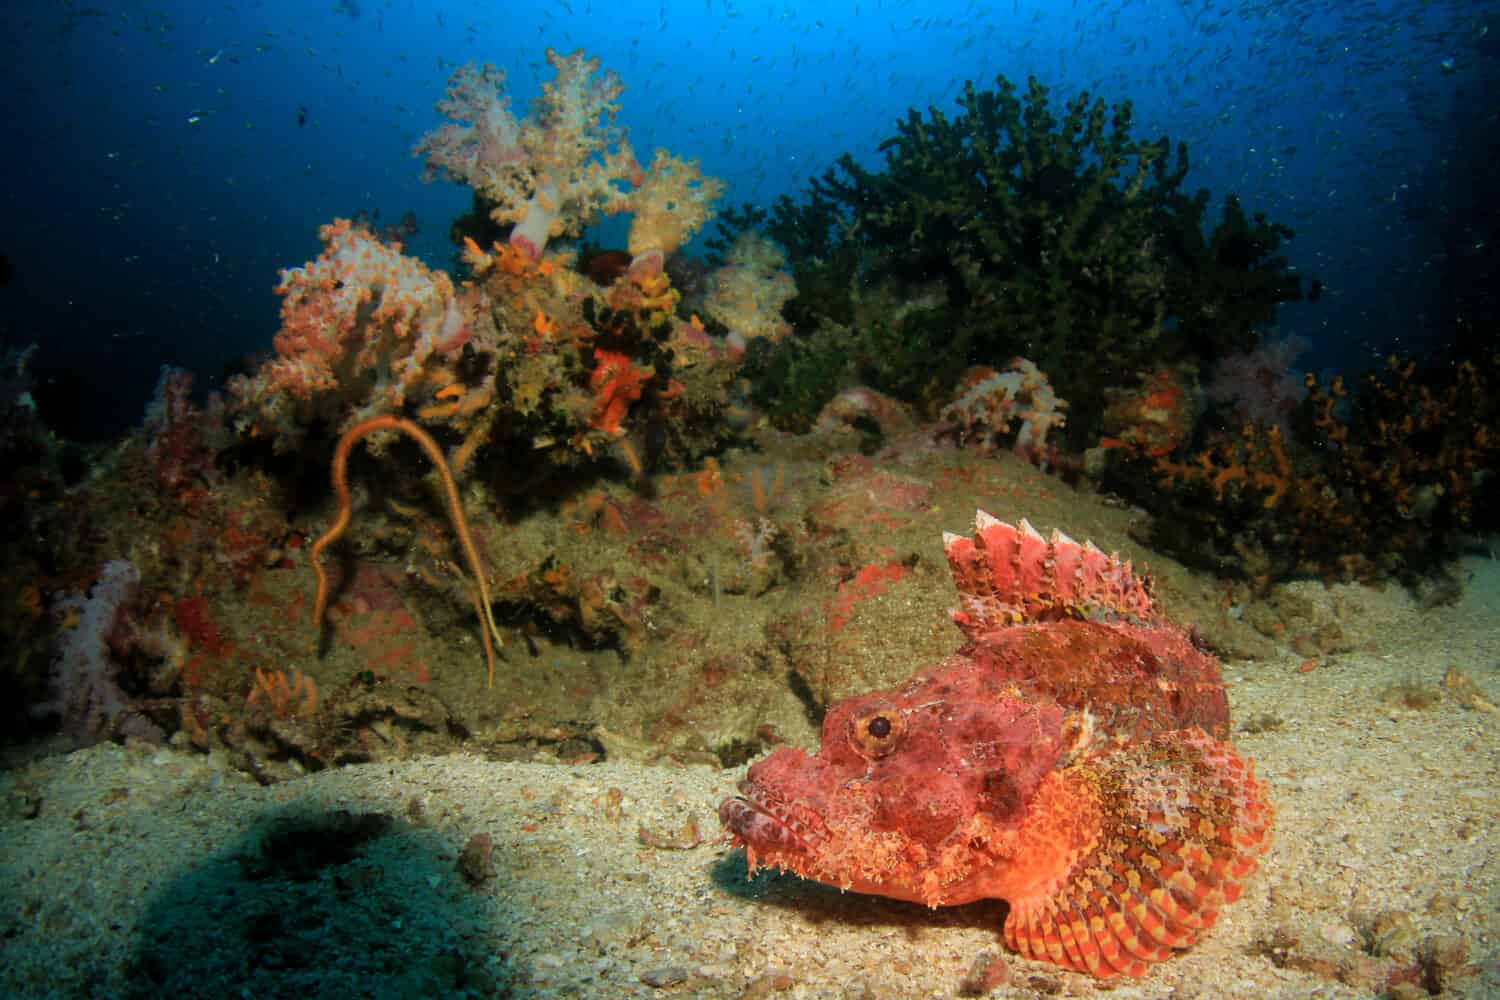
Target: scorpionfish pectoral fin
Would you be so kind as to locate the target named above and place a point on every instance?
(1182, 821)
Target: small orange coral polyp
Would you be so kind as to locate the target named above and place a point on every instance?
(709, 479)
(285, 694)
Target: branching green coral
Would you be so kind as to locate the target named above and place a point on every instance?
(1227, 286)
(1063, 239)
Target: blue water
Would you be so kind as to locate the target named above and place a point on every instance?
(163, 160)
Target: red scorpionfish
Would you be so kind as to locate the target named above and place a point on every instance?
(1071, 758)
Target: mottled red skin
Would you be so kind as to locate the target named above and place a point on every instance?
(1069, 759)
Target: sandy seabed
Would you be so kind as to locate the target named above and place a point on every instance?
(141, 871)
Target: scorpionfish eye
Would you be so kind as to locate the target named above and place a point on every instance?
(876, 733)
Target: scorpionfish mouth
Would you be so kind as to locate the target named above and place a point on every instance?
(770, 827)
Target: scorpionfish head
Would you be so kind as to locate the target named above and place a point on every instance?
(919, 793)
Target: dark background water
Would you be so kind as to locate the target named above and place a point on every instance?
(164, 160)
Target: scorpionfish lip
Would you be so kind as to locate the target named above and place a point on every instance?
(757, 826)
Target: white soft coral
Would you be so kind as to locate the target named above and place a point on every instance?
(991, 401)
(549, 174)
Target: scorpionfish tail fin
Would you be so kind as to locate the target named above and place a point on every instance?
(1184, 822)
(1009, 575)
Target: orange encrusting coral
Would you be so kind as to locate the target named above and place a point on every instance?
(616, 383)
(430, 448)
(870, 581)
(1365, 486)
(1153, 418)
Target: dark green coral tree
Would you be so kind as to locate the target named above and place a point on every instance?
(1062, 239)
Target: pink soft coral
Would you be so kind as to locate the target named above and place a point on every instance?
(1260, 386)
(361, 319)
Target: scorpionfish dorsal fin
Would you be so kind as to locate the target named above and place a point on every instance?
(1010, 575)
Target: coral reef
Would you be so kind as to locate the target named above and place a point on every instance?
(362, 326)
(1223, 288)
(869, 412)
(37, 468)
(892, 343)
(552, 173)
(350, 438)
(670, 203)
(548, 174)
(519, 377)
(1153, 417)
(527, 357)
(1259, 386)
